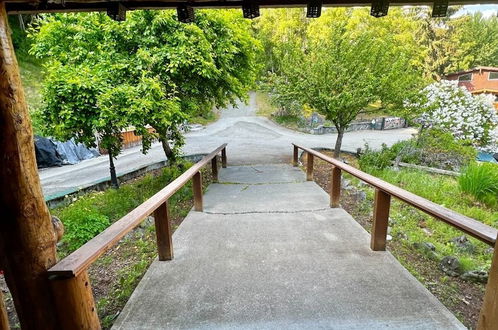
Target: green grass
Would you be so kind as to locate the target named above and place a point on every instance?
(92, 213)
(264, 106)
(481, 181)
(205, 119)
(443, 190)
(32, 78)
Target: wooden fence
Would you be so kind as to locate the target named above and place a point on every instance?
(69, 278)
(488, 318)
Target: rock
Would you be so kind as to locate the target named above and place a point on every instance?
(425, 247)
(428, 249)
(360, 196)
(462, 243)
(147, 222)
(476, 276)
(427, 231)
(450, 266)
(345, 183)
(58, 228)
(489, 250)
(389, 238)
(402, 235)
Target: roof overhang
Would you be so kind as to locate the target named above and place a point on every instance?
(32, 7)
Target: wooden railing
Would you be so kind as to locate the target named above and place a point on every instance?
(383, 192)
(69, 278)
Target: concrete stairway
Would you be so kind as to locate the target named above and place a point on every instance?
(269, 253)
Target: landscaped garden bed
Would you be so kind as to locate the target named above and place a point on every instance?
(420, 242)
(115, 275)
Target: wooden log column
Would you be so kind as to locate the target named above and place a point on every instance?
(74, 302)
(488, 318)
(26, 232)
(4, 320)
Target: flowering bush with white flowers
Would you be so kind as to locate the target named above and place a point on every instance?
(454, 109)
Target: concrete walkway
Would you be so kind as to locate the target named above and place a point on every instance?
(251, 140)
(269, 253)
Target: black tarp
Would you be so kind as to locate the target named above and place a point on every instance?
(46, 153)
(73, 153)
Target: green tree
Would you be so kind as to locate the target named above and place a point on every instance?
(345, 62)
(476, 40)
(153, 71)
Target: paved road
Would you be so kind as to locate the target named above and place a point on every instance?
(251, 140)
(269, 253)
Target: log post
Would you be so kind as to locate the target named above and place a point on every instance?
(488, 318)
(163, 232)
(380, 220)
(214, 166)
(26, 230)
(4, 319)
(295, 158)
(197, 185)
(335, 187)
(309, 167)
(74, 303)
(224, 157)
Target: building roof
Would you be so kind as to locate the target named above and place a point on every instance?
(477, 68)
(40, 6)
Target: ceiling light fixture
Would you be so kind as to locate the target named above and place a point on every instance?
(379, 8)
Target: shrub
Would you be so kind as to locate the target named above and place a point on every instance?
(433, 147)
(92, 213)
(454, 109)
(440, 149)
(81, 225)
(481, 181)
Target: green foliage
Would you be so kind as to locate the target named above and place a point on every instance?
(440, 149)
(81, 225)
(481, 181)
(433, 148)
(417, 227)
(150, 70)
(377, 159)
(341, 63)
(92, 213)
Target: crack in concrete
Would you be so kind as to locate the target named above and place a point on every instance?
(259, 183)
(270, 212)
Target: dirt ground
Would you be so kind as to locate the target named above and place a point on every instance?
(464, 299)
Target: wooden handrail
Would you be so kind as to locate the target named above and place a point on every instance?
(477, 229)
(78, 261)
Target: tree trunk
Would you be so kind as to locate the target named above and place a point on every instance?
(170, 155)
(338, 142)
(112, 169)
(27, 236)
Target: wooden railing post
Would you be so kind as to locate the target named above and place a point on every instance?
(4, 319)
(74, 303)
(224, 157)
(163, 232)
(309, 167)
(197, 185)
(380, 220)
(488, 318)
(295, 159)
(335, 187)
(214, 166)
